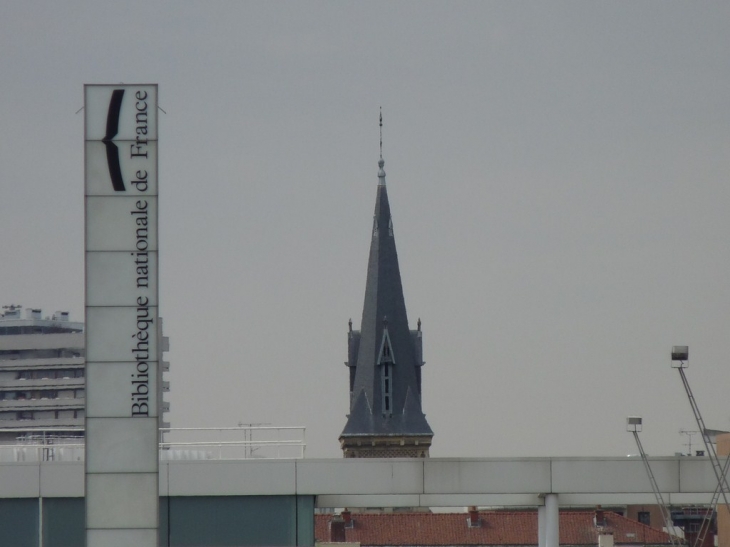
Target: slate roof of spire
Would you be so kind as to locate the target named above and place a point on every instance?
(385, 308)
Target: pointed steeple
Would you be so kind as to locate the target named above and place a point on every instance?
(385, 355)
(381, 161)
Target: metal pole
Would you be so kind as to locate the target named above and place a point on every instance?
(552, 521)
(664, 510)
(40, 521)
(720, 471)
(541, 526)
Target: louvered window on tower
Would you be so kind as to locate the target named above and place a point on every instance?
(386, 360)
(387, 391)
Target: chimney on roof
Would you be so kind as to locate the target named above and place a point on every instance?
(605, 539)
(60, 316)
(33, 313)
(11, 312)
(473, 520)
(337, 529)
(599, 519)
(347, 517)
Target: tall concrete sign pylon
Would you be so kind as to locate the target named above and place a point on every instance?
(122, 461)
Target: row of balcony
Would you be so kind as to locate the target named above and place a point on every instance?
(41, 363)
(16, 405)
(23, 384)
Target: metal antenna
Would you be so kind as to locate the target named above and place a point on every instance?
(689, 434)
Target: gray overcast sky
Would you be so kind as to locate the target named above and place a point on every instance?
(558, 175)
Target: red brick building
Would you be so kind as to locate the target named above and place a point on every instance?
(518, 528)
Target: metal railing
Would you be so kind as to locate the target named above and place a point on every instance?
(187, 443)
(225, 443)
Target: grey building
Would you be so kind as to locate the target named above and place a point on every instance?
(385, 357)
(42, 379)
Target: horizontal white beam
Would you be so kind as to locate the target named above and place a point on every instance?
(401, 482)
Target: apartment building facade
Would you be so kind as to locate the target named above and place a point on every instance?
(42, 376)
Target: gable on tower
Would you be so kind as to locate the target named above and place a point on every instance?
(386, 354)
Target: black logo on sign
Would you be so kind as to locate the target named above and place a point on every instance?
(112, 152)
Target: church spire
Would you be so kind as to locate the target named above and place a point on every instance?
(385, 356)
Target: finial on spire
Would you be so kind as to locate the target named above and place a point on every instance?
(381, 132)
(381, 161)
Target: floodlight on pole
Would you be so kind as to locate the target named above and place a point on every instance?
(633, 424)
(680, 356)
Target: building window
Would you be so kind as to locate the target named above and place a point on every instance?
(645, 517)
